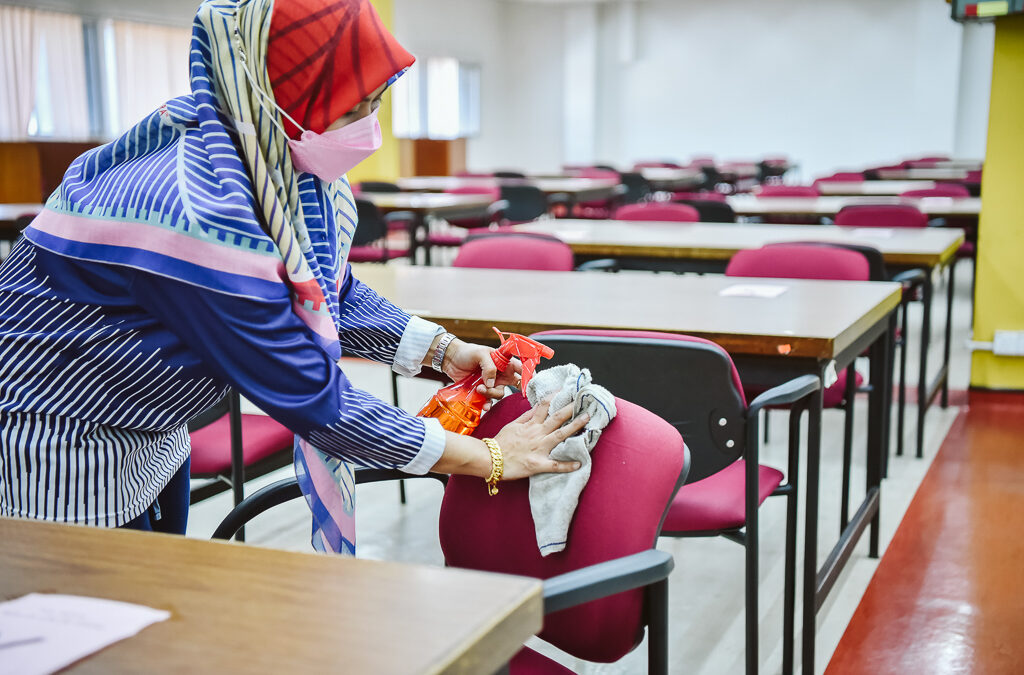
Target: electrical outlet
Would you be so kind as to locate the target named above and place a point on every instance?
(1008, 343)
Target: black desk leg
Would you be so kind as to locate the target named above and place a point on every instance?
(878, 429)
(811, 530)
(949, 331)
(902, 407)
(922, 377)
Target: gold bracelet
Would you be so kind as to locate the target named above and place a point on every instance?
(497, 466)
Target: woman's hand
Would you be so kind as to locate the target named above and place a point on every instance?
(462, 359)
(527, 442)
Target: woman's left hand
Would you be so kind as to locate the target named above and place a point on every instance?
(462, 359)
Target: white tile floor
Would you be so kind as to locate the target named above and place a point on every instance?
(706, 588)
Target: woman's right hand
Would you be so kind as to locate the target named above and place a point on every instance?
(527, 441)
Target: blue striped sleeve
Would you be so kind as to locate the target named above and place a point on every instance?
(373, 328)
(264, 350)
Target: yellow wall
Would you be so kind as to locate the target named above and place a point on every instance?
(999, 296)
(383, 165)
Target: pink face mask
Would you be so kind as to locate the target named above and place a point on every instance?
(334, 153)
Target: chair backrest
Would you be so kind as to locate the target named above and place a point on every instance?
(954, 190)
(881, 215)
(638, 188)
(775, 190)
(378, 186)
(800, 261)
(687, 381)
(515, 251)
(509, 174)
(711, 176)
(711, 210)
(525, 202)
(842, 177)
(877, 270)
(638, 465)
(492, 191)
(658, 211)
(370, 226)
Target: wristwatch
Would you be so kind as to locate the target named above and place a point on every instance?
(442, 346)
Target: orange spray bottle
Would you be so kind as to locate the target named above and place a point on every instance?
(458, 406)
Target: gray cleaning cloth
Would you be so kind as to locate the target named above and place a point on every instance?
(553, 496)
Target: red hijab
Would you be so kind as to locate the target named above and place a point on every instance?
(325, 56)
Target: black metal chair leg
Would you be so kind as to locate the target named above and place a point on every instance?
(901, 408)
(401, 491)
(922, 386)
(766, 414)
(751, 568)
(789, 584)
(237, 455)
(849, 394)
(657, 628)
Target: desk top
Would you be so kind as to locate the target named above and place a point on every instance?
(925, 247)
(873, 187)
(547, 184)
(427, 203)
(238, 608)
(750, 205)
(923, 174)
(9, 212)
(815, 319)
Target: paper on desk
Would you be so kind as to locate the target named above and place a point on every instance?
(873, 232)
(753, 290)
(42, 633)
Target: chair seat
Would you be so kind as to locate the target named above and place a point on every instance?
(716, 502)
(529, 662)
(261, 437)
(966, 250)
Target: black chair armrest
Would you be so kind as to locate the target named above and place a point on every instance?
(605, 579)
(559, 198)
(400, 217)
(263, 499)
(601, 265)
(496, 211)
(288, 489)
(910, 278)
(785, 393)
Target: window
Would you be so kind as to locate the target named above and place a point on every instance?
(438, 98)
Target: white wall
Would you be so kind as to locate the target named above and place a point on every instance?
(831, 84)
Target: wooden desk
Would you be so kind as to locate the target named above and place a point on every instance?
(868, 188)
(579, 189)
(902, 247)
(810, 326)
(707, 247)
(748, 205)
(238, 608)
(923, 174)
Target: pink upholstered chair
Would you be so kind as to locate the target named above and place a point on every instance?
(814, 261)
(881, 215)
(658, 211)
(952, 190)
(638, 465)
(777, 190)
(841, 177)
(509, 250)
(597, 209)
(694, 384)
(256, 445)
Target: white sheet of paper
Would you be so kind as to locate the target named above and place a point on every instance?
(753, 291)
(42, 633)
(873, 232)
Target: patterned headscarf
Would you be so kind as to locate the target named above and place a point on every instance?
(204, 191)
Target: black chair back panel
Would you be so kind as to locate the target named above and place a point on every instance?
(711, 211)
(211, 414)
(370, 226)
(688, 384)
(525, 202)
(378, 186)
(638, 188)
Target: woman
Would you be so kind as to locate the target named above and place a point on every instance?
(206, 248)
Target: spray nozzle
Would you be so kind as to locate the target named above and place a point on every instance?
(529, 352)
